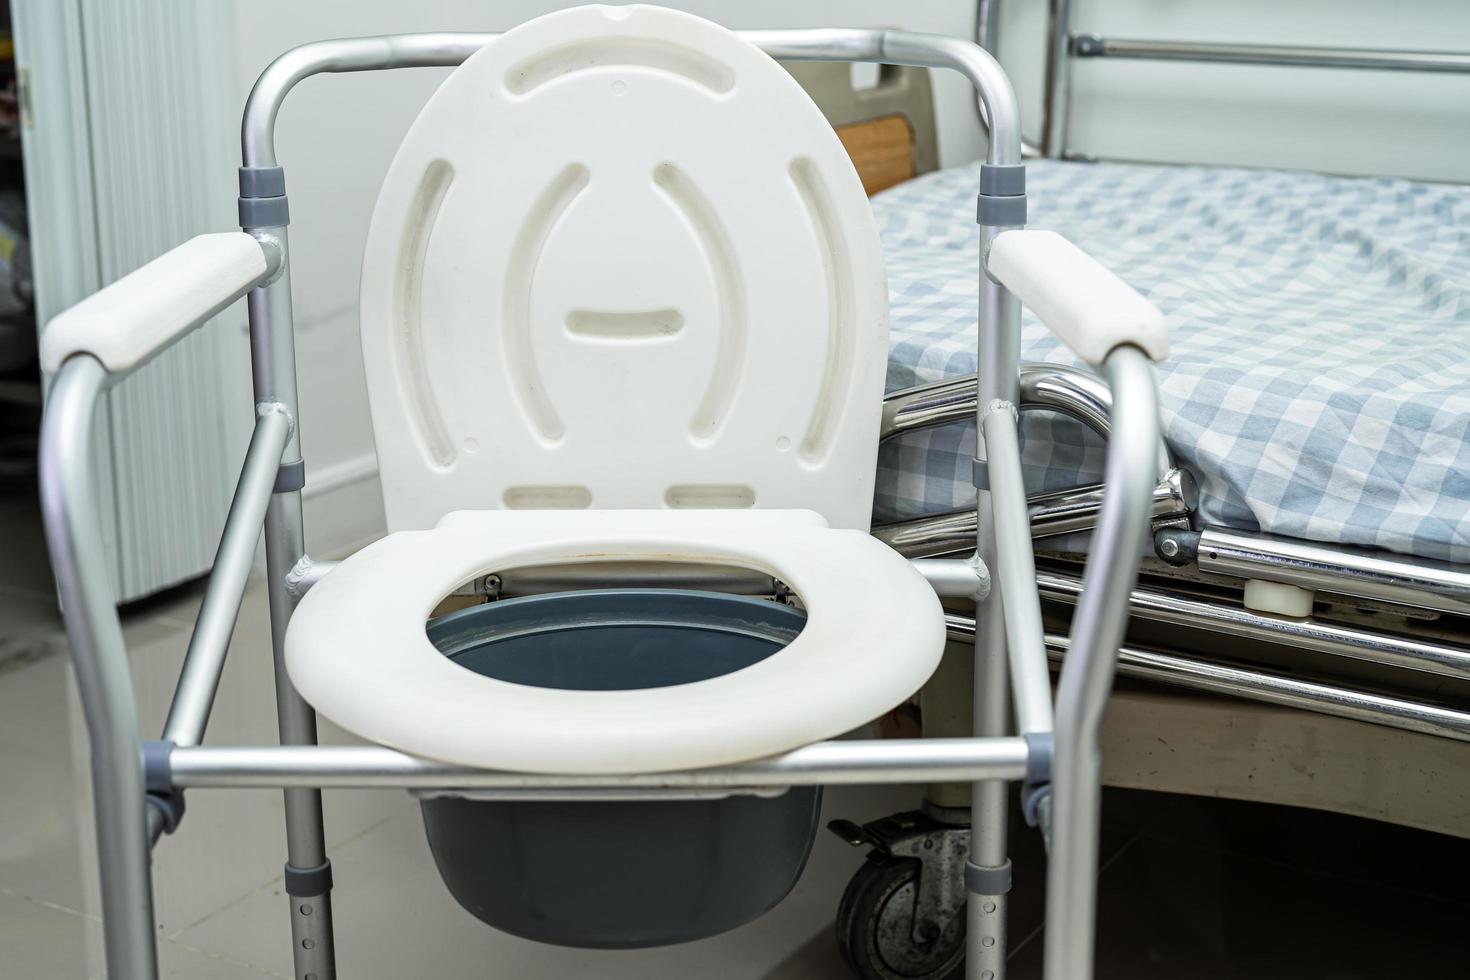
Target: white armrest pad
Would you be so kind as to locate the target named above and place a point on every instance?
(1084, 304)
(129, 321)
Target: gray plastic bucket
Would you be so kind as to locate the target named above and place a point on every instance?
(619, 874)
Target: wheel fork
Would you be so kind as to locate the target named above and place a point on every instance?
(940, 848)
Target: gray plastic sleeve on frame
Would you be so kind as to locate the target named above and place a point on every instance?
(1032, 797)
(291, 476)
(1001, 212)
(1002, 200)
(981, 880)
(308, 882)
(156, 775)
(979, 474)
(999, 180)
(1038, 757)
(158, 781)
(264, 212)
(262, 182)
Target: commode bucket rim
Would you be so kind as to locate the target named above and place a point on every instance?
(615, 639)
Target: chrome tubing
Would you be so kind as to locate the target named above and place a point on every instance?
(1057, 90)
(987, 24)
(1267, 688)
(1070, 391)
(1060, 512)
(1289, 55)
(1087, 676)
(1304, 634)
(1053, 513)
(199, 679)
(824, 763)
(1407, 581)
(74, 539)
(928, 405)
(1263, 687)
(924, 537)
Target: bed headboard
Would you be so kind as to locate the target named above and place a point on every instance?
(887, 128)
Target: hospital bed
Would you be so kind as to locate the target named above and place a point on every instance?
(1305, 580)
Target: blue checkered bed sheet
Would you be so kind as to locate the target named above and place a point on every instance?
(1319, 385)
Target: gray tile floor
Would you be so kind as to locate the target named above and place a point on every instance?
(28, 619)
(1191, 888)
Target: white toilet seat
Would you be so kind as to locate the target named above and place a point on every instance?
(357, 649)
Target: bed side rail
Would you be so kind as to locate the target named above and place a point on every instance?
(1064, 46)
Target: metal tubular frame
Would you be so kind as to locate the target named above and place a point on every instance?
(1087, 676)
(1418, 582)
(887, 761)
(1325, 638)
(269, 493)
(205, 659)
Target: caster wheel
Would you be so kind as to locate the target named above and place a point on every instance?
(877, 934)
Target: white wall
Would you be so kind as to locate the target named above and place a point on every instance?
(337, 134)
(335, 138)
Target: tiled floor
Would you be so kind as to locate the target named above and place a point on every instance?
(1191, 888)
(28, 619)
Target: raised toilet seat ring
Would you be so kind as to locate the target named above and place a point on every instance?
(357, 649)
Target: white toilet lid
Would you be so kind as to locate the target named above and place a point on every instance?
(357, 649)
(621, 260)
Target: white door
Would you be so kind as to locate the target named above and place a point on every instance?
(125, 157)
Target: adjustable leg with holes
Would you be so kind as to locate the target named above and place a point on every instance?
(1001, 204)
(264, 215)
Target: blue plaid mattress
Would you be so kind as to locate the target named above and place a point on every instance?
(1319, 386)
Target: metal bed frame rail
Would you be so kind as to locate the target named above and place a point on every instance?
(138, 786)
(1063, 46)
(1325, 570)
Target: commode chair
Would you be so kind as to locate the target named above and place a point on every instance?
(624, 323)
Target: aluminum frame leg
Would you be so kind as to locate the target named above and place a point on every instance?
(985, 935)
(1098, 626)
(74, 538)
(308, 872)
